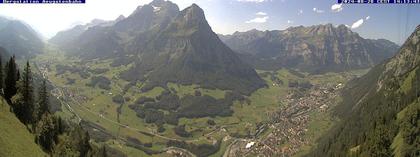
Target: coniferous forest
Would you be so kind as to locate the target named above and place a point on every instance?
(54, 135)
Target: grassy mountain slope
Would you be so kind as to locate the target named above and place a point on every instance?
(15, 139)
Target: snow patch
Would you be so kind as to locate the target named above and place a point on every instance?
(156, 9)
(249, 145)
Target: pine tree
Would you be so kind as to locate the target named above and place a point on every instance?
(28, 94)
(85, 144)
(46, 132)
(24, 100)
(11, 78)
(17, 75)
(43, 100)
(60, 126)
(1, 76)
(103, 152)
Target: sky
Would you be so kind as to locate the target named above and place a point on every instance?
(388, 21)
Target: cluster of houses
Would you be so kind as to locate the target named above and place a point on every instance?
(290, 124)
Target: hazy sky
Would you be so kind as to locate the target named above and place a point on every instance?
(393, 22)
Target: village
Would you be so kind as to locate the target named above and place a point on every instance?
(289, 124)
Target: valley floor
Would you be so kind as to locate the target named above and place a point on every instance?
(283, 119)
(294, 126)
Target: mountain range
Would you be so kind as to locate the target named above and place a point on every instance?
(19, 38)
(317, 49)
(168, 45)
(164, 45)
(61, 38)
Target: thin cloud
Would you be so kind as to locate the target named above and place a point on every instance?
(261, 14)
(367, 18)
(258, 20)
(290, 22)
(357, 24)
(337, 7)
(300, 12)
(318, 10)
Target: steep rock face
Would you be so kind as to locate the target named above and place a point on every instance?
(156, 15)
(315, 49)
(189, 52)
(380, 110)
(168, 45)
(19, 39)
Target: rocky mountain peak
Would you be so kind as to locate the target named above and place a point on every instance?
(190, 20)
(188, 51)
(156, 6)
(327, 29)
(194, 13)
(157, 14)
(119, 18)
(158, 2)
(146, 9)
(97, 21)
(343, 27)
(161, 3)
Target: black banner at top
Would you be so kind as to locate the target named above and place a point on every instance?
(42, 1)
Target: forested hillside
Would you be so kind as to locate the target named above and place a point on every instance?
(384, 117)
(27, 119)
